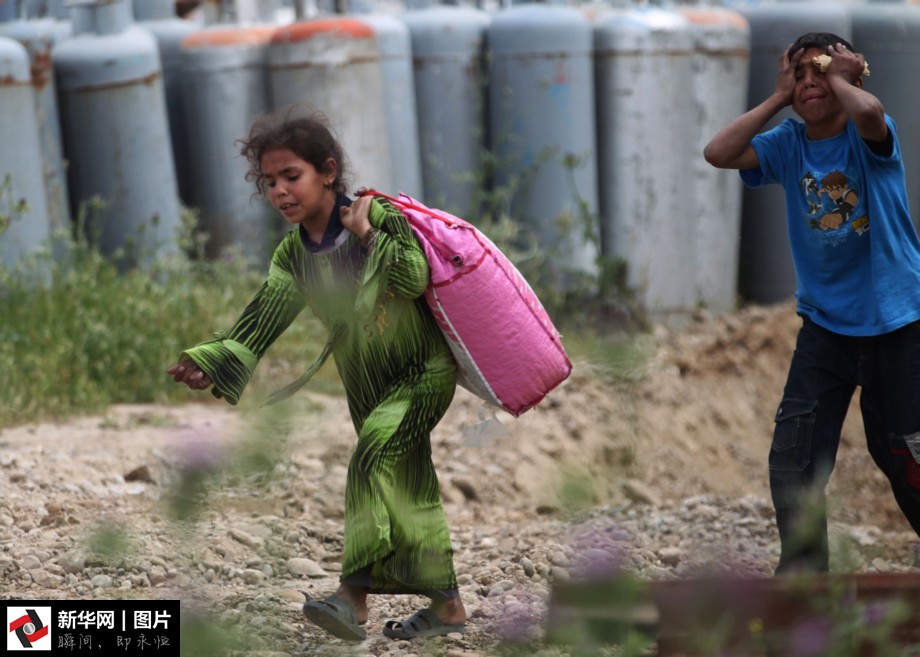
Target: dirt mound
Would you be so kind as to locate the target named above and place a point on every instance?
(695, 419)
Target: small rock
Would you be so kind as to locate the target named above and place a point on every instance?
(879, 565)
(670, 556)
(156, 575)
(140, 473)
(246, 539)
(528, 566)
(31, 562)
(46, 579)
(559, 558)
(466, 487)
(637, 491)
(303, 567)
(102, 581)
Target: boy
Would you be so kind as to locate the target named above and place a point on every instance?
(857, 263)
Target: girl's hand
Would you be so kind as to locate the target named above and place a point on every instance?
(190, 374)
(785, 79)
(355, 218)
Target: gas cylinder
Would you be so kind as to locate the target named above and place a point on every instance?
(24, 225)
(39, 36)
(395, 47)
(9, 10)
(159, 17)
(721, 60)
(334, 65)
(225, 88)
(447, 49)
(646, 137)
(116, 134)
(542, 130)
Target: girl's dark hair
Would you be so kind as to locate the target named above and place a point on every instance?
(304, 132)
(818, 40)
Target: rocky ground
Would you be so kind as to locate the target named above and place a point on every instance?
(659, 473)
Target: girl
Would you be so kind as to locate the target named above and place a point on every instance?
(362, 272)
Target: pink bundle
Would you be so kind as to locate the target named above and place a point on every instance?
(507, 349)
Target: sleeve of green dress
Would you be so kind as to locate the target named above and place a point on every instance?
(231, 358)
(396, 264)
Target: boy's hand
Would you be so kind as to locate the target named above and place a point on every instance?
(785, 79)
(190, 374)
(845, 63)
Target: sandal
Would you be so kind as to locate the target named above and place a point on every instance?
(422, 623)
(336, 616)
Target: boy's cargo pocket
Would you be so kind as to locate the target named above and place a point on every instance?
(795, 422)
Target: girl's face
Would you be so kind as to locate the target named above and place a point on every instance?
(296, 189)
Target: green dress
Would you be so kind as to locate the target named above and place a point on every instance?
(399, 378)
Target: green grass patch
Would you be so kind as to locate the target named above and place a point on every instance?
(79, 333)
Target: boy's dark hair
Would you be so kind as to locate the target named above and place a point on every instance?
(304, 132)
(818, 40)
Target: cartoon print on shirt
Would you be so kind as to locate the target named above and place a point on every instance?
(831, 205)
(812, 194)
(836, 187)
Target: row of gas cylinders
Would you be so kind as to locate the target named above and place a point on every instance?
(564, 113)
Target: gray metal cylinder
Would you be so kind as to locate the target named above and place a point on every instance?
(159, 18)
(57, 9)
(8, 10)
(225, 87)
(24, 226)
(721, 60)
(542, 129)
(250, 12)
(116, 137)
(151, 10)
(644, 59)
(39, 36)
(448, 46)
(334, 64)
(766, 272)
(395, 46)
(888, 35)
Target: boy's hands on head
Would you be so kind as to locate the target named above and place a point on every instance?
(845, 63)
(785, 79)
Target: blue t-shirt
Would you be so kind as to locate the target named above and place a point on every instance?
(855, 249)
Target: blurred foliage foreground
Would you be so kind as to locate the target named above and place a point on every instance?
(838, 615)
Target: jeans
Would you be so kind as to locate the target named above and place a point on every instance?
(825, 370)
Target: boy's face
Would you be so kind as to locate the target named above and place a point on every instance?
(813, 98)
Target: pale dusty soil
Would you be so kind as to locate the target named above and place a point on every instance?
(662, 471)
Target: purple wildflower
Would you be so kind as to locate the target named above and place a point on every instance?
(810, 638)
